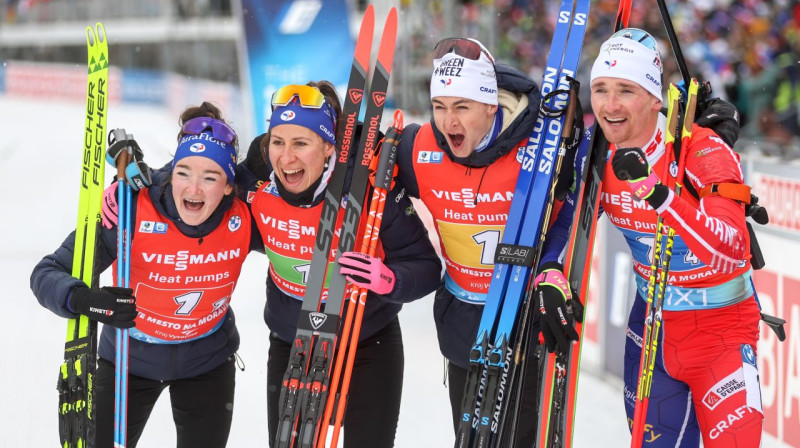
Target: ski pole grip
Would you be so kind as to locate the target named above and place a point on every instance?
(122, 164)
(385, 169)
(574, 86)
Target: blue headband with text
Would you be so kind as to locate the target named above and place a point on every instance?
(205, 145)
(320, 120)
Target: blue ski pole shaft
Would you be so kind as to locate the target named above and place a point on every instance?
(123, 274)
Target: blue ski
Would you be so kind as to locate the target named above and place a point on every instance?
(491, 369)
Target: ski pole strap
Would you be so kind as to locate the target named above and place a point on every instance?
(558, 109)
(514, 254)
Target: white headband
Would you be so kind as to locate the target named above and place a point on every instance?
(461, 77)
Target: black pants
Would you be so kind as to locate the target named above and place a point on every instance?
(528, 407)
(202, 406)
(373, 404)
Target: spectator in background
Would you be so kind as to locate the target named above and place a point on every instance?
(740, 46)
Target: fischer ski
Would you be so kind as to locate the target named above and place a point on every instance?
(305, 386)
(492, 369)
(76, 376)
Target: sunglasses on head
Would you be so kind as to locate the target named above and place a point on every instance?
(308, 96)
(462, 47)
(219, 129)
(641, 36)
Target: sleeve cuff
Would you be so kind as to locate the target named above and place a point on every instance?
(664, 199)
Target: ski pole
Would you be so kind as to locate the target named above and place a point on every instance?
(385, 171)
(119, 137)
(655, 307)
(673, 41)
(623, 15)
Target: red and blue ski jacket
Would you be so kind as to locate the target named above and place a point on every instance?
(52, 283)
(407, 249)
(469, 198)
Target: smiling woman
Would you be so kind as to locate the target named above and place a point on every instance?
(294, 157)
(190, 237)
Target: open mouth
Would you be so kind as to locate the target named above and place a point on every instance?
(457, 140)
(192, 205)
(293, 176)
(616, 121)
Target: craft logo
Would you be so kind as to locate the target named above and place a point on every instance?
(153, 227)
(429, 157)
(327, 132)
(288, 115)
(234, 223)
(653, 80)
(197, 147)
(317, 319)
(356, 95)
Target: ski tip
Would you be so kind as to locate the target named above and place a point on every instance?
(386, 52)
(95, 34)
(101, 32)
(90, 36)
(365, 33)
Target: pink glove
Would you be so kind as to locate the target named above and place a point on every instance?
(110, 209)
(367, 272)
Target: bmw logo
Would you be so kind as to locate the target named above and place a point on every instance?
(673, 169)
(748, 355)
(234, 223)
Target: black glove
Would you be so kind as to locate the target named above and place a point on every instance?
(630, 164)
(255, 161)
(721, 117)
(109, 305)
(552, 295)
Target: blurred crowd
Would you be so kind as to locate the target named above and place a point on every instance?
(749, 49)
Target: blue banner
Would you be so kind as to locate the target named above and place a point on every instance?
(144, 86)
(293, 42)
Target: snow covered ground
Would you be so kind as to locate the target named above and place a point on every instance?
(39, 160)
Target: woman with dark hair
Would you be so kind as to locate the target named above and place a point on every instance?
(287, 209)
(182, 329)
